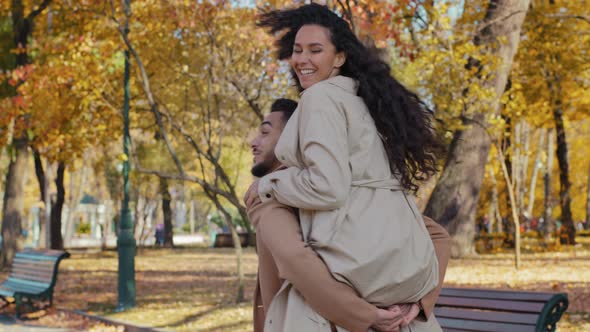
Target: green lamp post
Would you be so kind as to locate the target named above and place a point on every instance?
(125, 240)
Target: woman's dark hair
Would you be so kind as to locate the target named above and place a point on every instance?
(402, 120)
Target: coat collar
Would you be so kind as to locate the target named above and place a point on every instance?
(346, 83)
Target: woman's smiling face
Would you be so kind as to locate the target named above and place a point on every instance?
(314, 57)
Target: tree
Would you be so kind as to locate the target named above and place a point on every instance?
(454, 200)
(13, 214)
(553, 68)
(166, 199)
(67, 102)
(223, 89)
(512, 195)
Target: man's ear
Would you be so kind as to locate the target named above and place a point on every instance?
(340, 59)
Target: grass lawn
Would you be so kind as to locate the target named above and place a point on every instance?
(194, 289)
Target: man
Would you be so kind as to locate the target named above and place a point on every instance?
(284, 256)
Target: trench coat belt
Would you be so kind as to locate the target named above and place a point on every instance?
(391, 184)
(387, 184)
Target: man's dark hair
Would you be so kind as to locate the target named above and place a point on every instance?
(287, 106)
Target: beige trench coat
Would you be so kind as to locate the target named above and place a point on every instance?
(352, 211)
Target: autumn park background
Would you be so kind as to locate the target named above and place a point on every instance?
(509, 82)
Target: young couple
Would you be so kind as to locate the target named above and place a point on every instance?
(341, 243)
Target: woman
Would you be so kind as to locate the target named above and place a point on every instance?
(356, 144)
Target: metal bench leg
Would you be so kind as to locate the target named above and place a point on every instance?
(18, 302)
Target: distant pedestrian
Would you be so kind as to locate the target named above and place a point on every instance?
(159, 234)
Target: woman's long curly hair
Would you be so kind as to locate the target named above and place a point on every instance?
(402, 120)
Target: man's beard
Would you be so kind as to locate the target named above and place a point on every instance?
(261, 169)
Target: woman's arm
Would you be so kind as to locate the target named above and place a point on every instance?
(323, 142)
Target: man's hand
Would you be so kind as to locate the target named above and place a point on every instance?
(395, 317)
(251, 194)
(408, 311)
(388, 320)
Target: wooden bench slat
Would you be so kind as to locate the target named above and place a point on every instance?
(478, 326)
(6, 291)
(17, 286)
(34, 262)
(19, 262)
(38, 278)
(27, 282)
(497, 294)
(33, 269)
(24, 287)
(27, 291)
(35, 255)
(489, 316)
(531, 307)
(48, 268)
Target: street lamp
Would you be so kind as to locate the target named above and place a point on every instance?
(125, 240)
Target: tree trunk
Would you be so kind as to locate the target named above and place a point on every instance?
(523, 163)
(44, 216)
(13, 203)
(57, 241)
(106, 225)
(191, 215)
(508, 145)
(14, 197)
(454, 200)
(548, 222)
(567, 223)
(237, 244)
(536, 167)
(512, 196)
(238, 250)
(494, 215)
(587, 223)
(167, 210)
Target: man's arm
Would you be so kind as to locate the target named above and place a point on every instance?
(278, 229)
(442, 246)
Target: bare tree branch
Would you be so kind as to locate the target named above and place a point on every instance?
(584, 18)
(145, 83)
(39, 10)
(499, 19)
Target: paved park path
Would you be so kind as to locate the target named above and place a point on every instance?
(9, 324)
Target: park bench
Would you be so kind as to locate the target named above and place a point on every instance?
(462, 309)
(225, 240)
(32, 277)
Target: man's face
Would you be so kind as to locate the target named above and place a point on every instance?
(263, 145)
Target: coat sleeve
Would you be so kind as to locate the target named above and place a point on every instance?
(324, 182)
(442, 246)
(277, 228)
